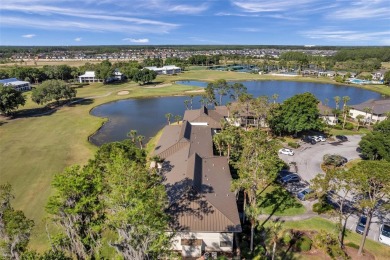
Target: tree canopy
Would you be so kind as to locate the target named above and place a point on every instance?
(10, 99)
(295, 115)
(52, 90)
(376, 144)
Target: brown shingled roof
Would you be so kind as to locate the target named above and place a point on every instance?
(379, 107)
(197, 182)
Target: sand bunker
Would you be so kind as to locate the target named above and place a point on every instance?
(160, 86)
(123, 92)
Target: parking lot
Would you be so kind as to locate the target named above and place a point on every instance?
(306, 162)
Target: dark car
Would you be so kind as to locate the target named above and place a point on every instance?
(309, 140)
(361, 225)
(342, 138)
(290, 178)
(302, 195)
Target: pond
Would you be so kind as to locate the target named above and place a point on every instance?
(147, 116)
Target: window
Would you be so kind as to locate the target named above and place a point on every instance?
(226, 244)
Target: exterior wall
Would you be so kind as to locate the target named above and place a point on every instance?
(330, 120)
(88, 79)
(211, 243)
(354, 113)
(19, 86)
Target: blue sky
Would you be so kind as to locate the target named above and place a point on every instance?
(147, 22)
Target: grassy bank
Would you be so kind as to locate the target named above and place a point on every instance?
(380, 251)
(34, 148)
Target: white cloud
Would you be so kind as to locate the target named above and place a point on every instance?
(187, 9)
(253, 6)
(78, 39)
(136, 40)
(362, 10)
(28, 35)
(340, 35)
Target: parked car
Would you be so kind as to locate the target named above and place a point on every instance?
(309, 140)
(320, 138)
(361, 225)
(290, 178)
(302, 195)
(286, 151)
(384, 234)
(342, 138)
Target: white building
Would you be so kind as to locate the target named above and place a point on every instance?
(89, 77)
(16, 84)
(326, 114)
(166, 70)
(372, 110)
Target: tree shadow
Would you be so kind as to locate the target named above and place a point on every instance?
(3, 123)
(34, 112)
(187, 202)
(81, 102)
(279, 200)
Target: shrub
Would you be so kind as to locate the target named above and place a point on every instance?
(334, 160)
(304, 244)
(329, 243)
(321, 207)
(293, 145)
(352, 245)
(287, 238)
(349, 126)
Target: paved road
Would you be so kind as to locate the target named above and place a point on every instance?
(308, 159)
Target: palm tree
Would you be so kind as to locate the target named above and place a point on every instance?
(275, 230)
(337, 101)
(275, 97)
(168, 116)
(140, 138)
(177, 119)
(186, 102)
(218, 141)
(359, 119)
(367, 110)
(132, 134)
(191, 99)
(345, 109)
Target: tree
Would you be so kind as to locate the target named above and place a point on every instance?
(144, 76)
(210, 94)
(386, 77)
(168, 116)
(359, 119)
(372, 182)
(337, 185)
(186, 102)
(376, 144)
(15, 228)
(10, 99)
(296, 114)
(258, 166)
(345, 109)
(237, 89)
(337, 102)
(260, 108)
(135, 209)
(274, 234)
(78, 210)
(218, 141)
(275, 97)
(104, 71)
(177, 119)
(52, 90)
(140, 138)
(132, 134)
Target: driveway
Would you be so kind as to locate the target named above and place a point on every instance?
(308, 159)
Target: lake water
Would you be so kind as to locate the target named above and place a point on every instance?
(147, 116)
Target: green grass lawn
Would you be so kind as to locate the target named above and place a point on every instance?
(33, 149)
(277, 201)
(380, 251)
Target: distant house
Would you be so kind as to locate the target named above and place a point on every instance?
(326, 114)
(118, 75)
(89, 77)
(372, 110)
(378, 75)
(16, 84)
(166, 70)
(203, 208)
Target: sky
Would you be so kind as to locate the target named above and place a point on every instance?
(195, 22)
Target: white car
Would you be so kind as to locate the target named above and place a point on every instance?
(319, 138)
(286, 151)
(384, 234)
